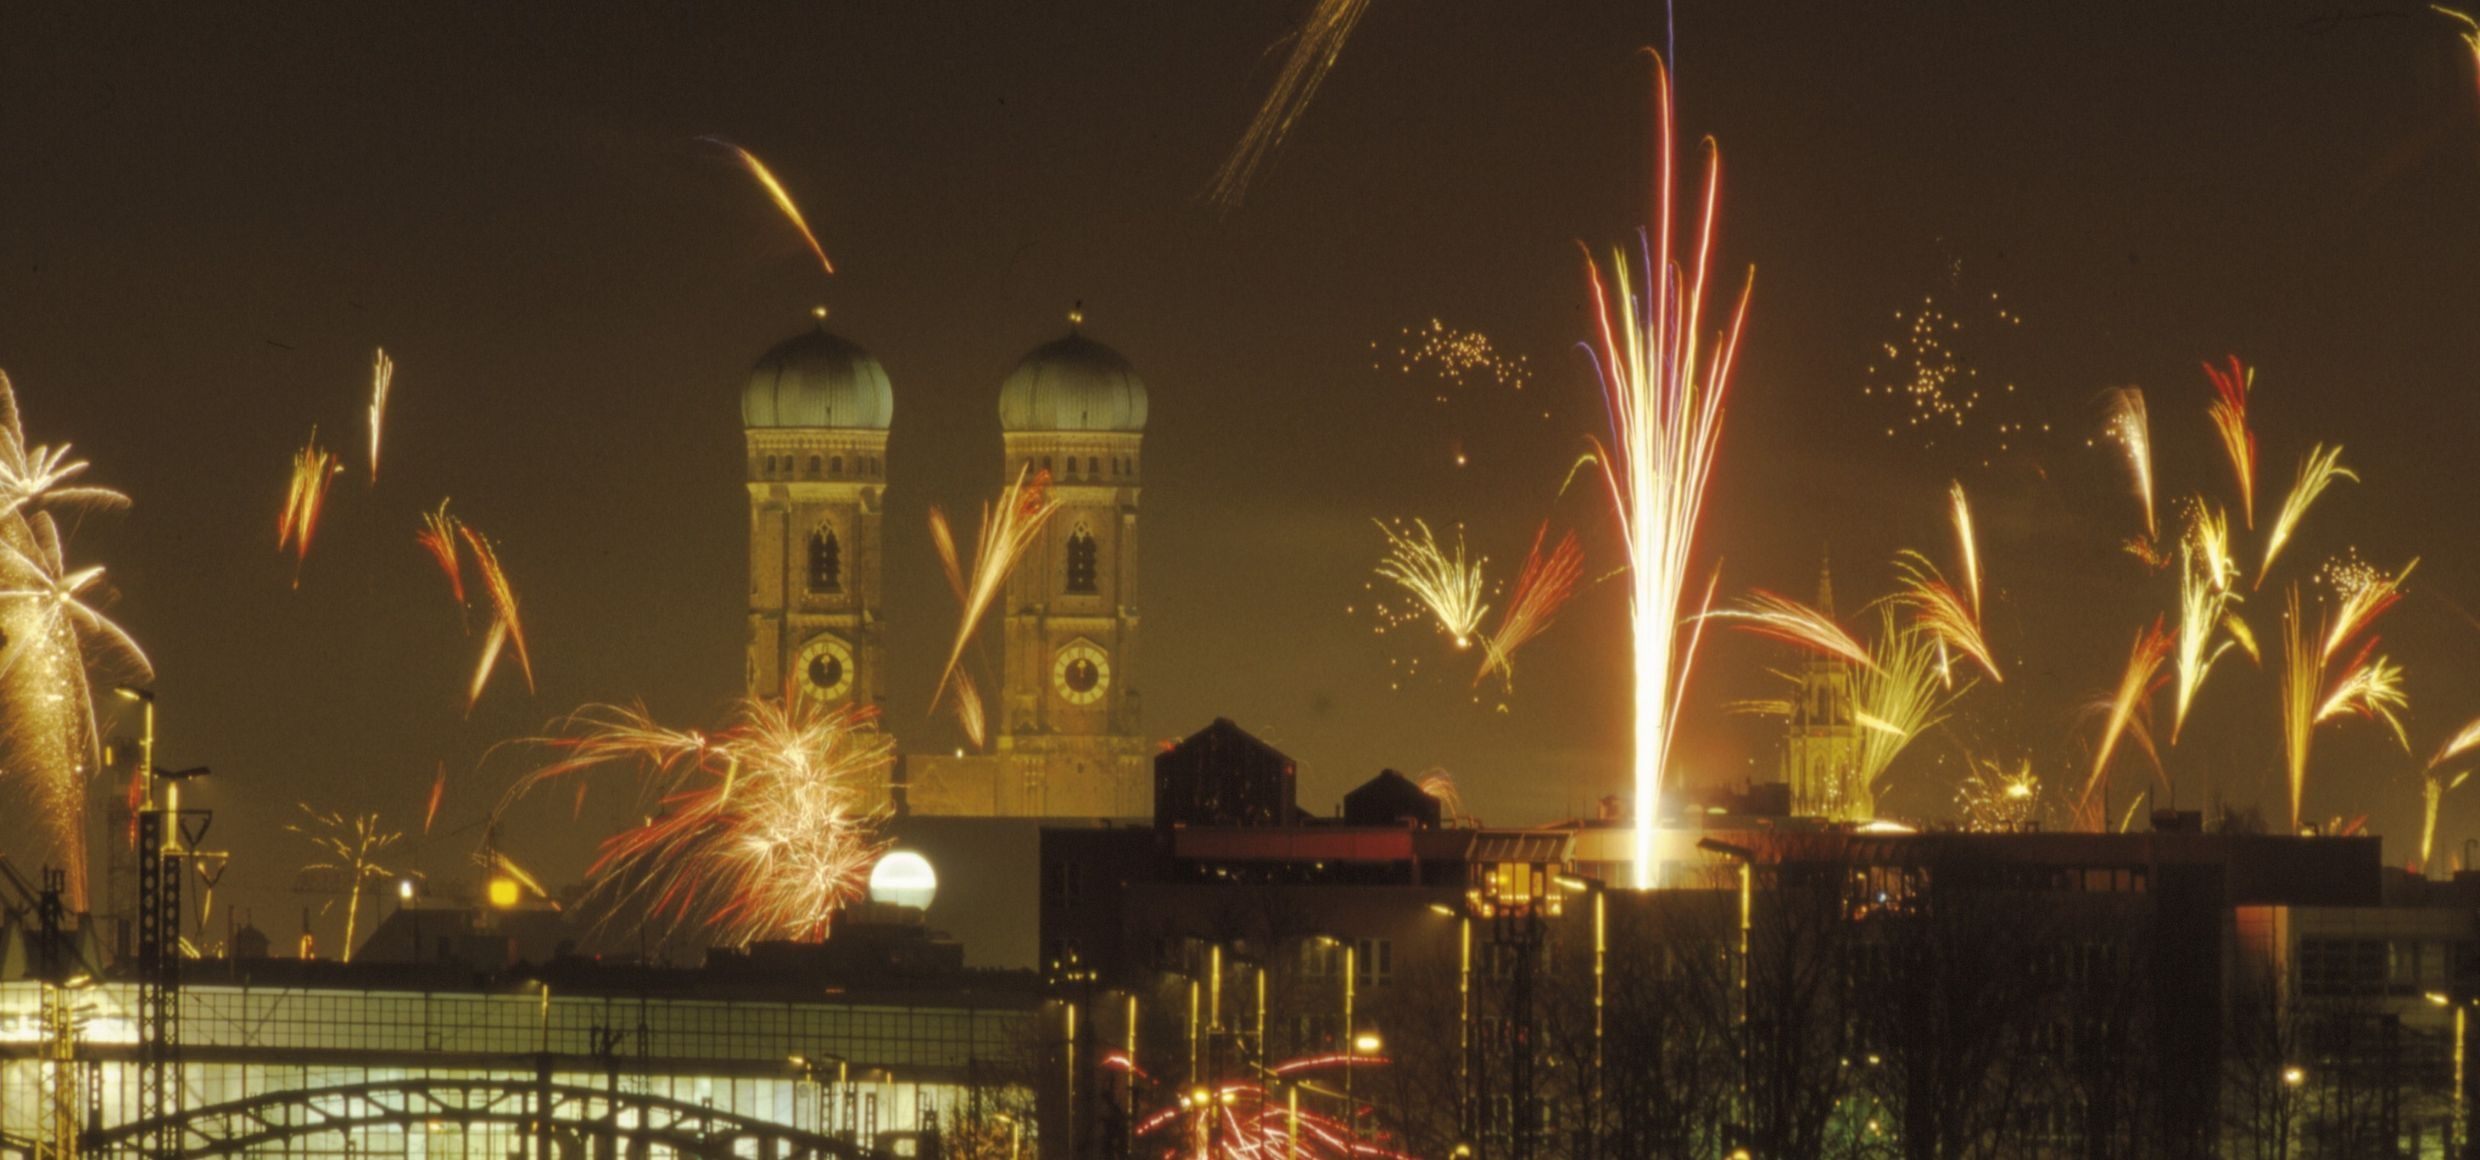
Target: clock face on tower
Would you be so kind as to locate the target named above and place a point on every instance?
(1081, 673)
(825, 668)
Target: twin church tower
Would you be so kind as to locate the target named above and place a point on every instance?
(1065, 735)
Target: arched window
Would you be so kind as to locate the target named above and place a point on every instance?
(1046, 463)
(769, 473)
(1093, 465)
(826, 562)
(1082, 560)
(835, 466)
(813, 466)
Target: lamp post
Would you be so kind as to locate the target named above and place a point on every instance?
(1464, 1127)
(1601, 948)
(1746, 860)
(2460, 1137)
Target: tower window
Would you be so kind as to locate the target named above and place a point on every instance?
(826, 562)
(1046, 463)
(813, 465)
(835, 466)
(1093, 465)
(1082, 557)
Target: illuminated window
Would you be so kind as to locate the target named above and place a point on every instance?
(1082, 558)
(826, 562)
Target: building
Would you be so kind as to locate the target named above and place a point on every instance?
(1821, 740)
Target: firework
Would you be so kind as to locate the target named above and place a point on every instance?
(1445, 583)
(969, 711)
(2470, 33)
(314, 467)
(2120, 713)
(1665, 392)
(2436, 781)
(1459, 357)
(1245, 1120)
(53, 640)
(1901, 693)
(439, 790)
(2229, 414)
(438, 537)
(1997, 800)
(1942, 612)
(1440, 784)
(782, 198)
(505, 627)
(382, 376)
(2134, 433)
(352, 847)
(1541, 588)
(2314, 691)
(2316, 472)
(1315, 47)
(1009, 526)
(766, 829)
(2204, 604)
(1782, 618)
(1927, 372)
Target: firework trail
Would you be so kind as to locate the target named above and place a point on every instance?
(1315, 47)
(2318, 471)
(1773, 615)
(438, 537)
(1445, 583)
(775, 191)
(2436, 782)
(382, 376)
(1942, 612)
(352, 848)
(313, 469)
(1244, 1120)
(1665, 393)
(1967, 545)
(2229, 415)
(53, 641)
(1440, 784)
(2314, 691)
(1996, 800)
(506, 629)
(1541, 588)
(2135, 684)
(2204, 610)
(766, 829)
(439, 790)
(1009, 526)
(2134, 433)
(2470, 34)
(970, 712)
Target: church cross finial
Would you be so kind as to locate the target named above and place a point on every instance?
(1076, 317)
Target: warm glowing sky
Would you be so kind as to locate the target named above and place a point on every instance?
(205, 227)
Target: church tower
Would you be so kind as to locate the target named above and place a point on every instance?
(815, 414)
(1067, 714)
(1821, 744)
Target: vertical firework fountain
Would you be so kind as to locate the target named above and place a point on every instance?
(1665, 388)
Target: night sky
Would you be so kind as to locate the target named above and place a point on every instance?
(208, 220)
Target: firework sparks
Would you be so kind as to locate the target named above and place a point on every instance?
(2436, 781)
(1934, 383)
(53, 638)
(438, 537)
(1315, 47)
(1541, 588)
(1996, 800)
(1773, 615)
(1901, 693)
(2229, 414)
(776, 192)
(1009, 526)
(970, 714)
(1440, 784)
(2204, 610)
(506, 629)
(2318, 471)
(314, 467)
(2120, 713)
(1459, 357)
(439, 790)
(2314, 691)
(382, 376)
(1244, 1120)
(2128, 425)
(766, 829)
(1942, 612)
(1665, 392)
(1445, 583)
(352, 847)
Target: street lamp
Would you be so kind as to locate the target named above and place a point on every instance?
(1601, 947)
